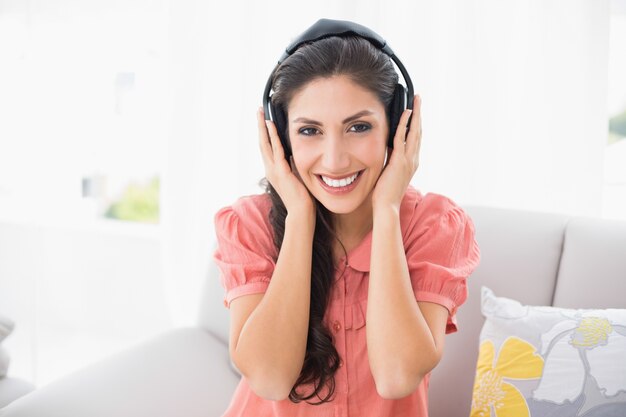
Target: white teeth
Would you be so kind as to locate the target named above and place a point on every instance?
(339, 183)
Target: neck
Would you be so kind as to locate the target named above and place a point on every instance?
(354, 226)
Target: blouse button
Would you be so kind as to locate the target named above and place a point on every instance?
(340, 363)
(337, 326)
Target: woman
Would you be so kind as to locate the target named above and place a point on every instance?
(342, 279)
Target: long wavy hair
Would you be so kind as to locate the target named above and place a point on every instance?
(373, 70)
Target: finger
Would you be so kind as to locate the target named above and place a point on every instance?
(264, 140)
(400, 136)
(414, 137)
(277, 147)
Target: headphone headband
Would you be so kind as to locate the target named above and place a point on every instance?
(325, 28)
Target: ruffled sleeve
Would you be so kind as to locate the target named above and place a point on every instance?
(441, 253)
(245, 254)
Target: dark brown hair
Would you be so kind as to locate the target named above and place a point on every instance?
(373, 70)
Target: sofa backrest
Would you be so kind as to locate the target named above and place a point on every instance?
(212, 314)
(593, 265)
(520, 254)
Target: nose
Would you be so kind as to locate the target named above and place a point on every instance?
(335, 157)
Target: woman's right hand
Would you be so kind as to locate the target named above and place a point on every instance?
(283, 177)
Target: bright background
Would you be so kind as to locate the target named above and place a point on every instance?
(125, 125)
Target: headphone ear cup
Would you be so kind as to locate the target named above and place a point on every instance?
(395, 111)
(280, 120)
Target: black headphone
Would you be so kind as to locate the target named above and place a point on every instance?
(325, 28)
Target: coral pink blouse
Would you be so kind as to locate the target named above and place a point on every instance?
(441, 253)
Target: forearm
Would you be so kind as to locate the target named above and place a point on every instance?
(272, 343)
(400, 346)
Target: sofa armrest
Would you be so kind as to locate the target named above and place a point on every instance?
(12, 389)
(182, 372)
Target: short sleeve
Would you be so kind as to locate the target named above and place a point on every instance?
(441, 255)
(244, 252)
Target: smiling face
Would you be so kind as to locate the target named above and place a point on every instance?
(338, 132)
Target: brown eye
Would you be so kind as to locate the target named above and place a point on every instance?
(362, 127)
(307, 131)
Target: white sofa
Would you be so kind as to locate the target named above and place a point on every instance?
(11, 388)
(536, 258)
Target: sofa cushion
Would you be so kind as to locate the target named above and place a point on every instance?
(548, 361)
(603, 241)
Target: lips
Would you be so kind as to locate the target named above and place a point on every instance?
(340, 190)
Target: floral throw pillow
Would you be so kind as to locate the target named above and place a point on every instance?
(546, 361)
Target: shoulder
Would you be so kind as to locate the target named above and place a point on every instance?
(256, 206)
(418, 212)
(247, 214)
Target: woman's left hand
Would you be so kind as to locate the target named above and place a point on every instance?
(403, 162)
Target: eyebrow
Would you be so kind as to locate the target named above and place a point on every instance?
(346, 120)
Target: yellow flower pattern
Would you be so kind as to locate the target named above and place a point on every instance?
(591, 332)
(517, 360)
